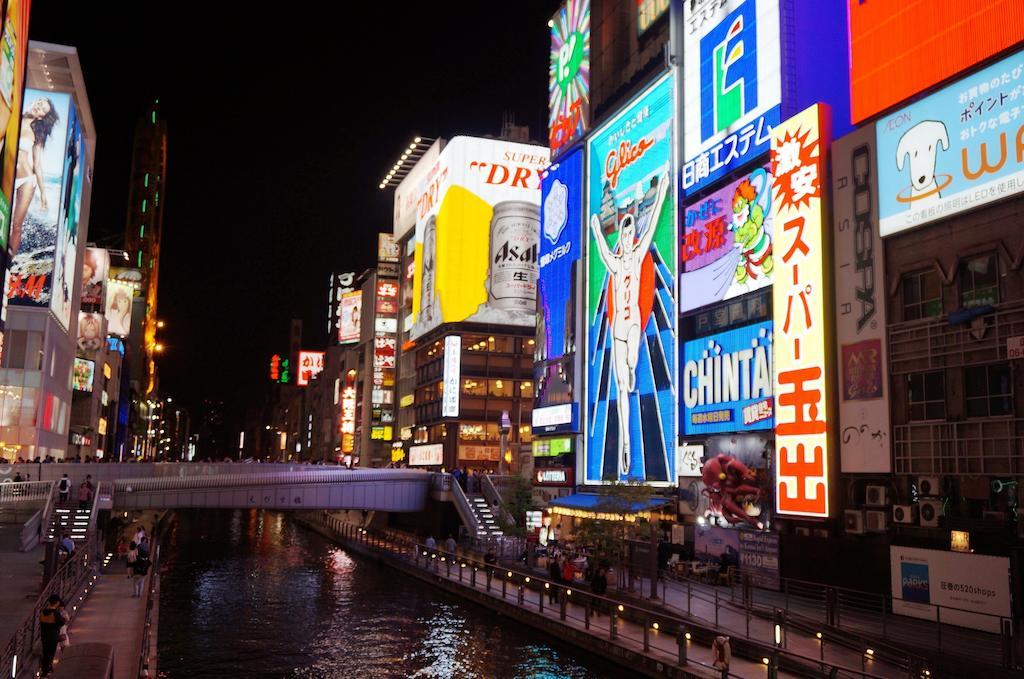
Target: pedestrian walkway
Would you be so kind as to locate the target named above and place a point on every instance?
(21, 577)
(113, 616)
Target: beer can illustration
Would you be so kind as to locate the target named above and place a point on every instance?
(429, 271)
(513, 266)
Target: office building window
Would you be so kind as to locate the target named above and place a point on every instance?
(989, 390)
(979, 281)
(926, 395)
(922, 295)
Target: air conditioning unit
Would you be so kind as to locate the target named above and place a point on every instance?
(876, 496)
(853, 521)
(805, 531)
(994, 516)
(876, 521)
(928, 486)
(904, 514)
(930, 511)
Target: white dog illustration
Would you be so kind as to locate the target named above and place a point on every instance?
(920, 144)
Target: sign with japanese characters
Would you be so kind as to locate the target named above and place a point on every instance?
(425, 456)
(732, 85)
(632, 346)
(348, 413)
(726, 381)
(384, 348)
(726, 247)
(860, 306)
(569, 75)
(452, 373)
(311, 364)
(560, 248)
(955, 150)
(801, 308)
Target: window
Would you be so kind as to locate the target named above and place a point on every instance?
(526, 389)
(922, 295)
(500, 388)
(979, 281)
(989, 390)
(926, 394)
(474, 387)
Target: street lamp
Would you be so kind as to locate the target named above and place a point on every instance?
(505, 462)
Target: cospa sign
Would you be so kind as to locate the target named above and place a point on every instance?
(554, 418)
(955, 150)
(727, 381)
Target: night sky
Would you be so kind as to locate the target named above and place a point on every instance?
(280, 128)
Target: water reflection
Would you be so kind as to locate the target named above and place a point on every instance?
(252, 594)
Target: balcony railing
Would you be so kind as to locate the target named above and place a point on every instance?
(967, 447)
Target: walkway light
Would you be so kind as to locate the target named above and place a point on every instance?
(655, 626)
(510, 574)
(688, 637)
(765, 660)
(621, 609)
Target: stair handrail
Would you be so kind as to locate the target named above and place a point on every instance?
(495, 499)
(465, 510)
(47, 515)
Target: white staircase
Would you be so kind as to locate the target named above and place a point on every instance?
(485, 520)
(71, 520)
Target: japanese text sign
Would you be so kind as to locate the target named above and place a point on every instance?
(800, 301)
(569, 74)
(311, 364)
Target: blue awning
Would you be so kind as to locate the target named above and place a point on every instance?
(592, 502)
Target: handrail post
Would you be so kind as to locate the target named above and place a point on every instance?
(563, 604)
(681, 642)
(586, 615)
(938, 626)
(522, 598)
(716, 607)
(612, 630)
(647, 634)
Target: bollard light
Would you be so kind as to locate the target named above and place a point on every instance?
(818, 635)
(527, 578)
(688, 637)
(547, 585)
(778, 635)
(655, 626)
(871, 651)
(765, 660)
(568, 592)
(510, 574)
(621, 608)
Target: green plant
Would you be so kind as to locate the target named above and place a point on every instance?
(517, 497)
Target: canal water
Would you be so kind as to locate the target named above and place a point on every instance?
(250, 594)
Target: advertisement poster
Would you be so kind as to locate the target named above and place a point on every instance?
(414, 190)
(736, 471)
(560, 248)
(569, 75)
(952, 151)
(90, 332)
(802, 310)
(759, 558)
(95, 269)
(13, 53)
(34, 222)
(478, 235)
(977, 586)
(715, 544)
(726, 381)
(893, 46)
(82, 374)
(387, 248)
(726, 245)
(864, 442)
(311, 364)
(65, 265)
(631, 310)
(732, 84)
(119, 307)
(351, 316)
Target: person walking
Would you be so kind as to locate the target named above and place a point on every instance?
(450, 545)
(431, 542)
(139, 568)
(599, 588)
(491, 559)
(140, 533)
(721, 654)
(64, 488)
(84, 495)
(65, 545)
(555, 573)
(51, 619)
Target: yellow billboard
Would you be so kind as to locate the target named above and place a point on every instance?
(478, 234)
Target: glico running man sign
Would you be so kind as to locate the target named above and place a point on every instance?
(631, 307)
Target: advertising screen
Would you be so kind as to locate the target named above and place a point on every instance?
(413, 193)
(631, 311)
(864, 444)
(82, 374)
(732, 84)
(37, 201)
(66, 259)
(569, 75)
(341, 283)
(311, 364)
(90, 332)
(726, 381)
(802, 311)
(119, 307)
(560, 248)
(95, 269)
(898, 49)
(737, 475)
(952, 151)
(974, 589)
(477, 236)
(13, 52)
(726, 244)
(351, 317)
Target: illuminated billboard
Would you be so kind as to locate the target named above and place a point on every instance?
(65, 265)
(427, 455)
(13, 52)
(341, 283)
(82, 374)
(350, 317)
(737, 471)
(864, 446)
(348, 413)
(387, 248)
(477, 236)
(726, 244)
(452, 374)
(569, 75)
(119, 307)
(90, 332)
(95, 269)
(898, 49)
(732, 86)
(726, 381)
(311, 364)
(37, 198)
(802, 309)
(955, 150)
(417, 190)
(631, 311)
(560, 248)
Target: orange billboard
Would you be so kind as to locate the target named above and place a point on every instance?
(901, 47)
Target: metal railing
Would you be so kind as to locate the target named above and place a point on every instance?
(662, 635)
(464, 508)
(158, 484)
(145, 650)
(992, 447)
(24, 491)
(495, 499)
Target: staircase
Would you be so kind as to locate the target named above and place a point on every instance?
(487, 523)
(68, 518)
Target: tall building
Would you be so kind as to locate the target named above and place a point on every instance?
(143, 231)
(47, 245)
